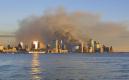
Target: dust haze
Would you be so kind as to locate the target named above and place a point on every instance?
(73, 27)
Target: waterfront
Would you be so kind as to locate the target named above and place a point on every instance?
(64, 66)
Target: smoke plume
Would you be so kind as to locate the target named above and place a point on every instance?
(72, 27)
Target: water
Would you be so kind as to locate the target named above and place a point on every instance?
(64, 67)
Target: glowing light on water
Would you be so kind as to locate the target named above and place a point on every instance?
(36, 70)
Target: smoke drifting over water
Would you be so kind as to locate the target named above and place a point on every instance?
(72, 27)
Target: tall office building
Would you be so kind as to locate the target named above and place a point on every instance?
(57, 46)
(35, 45)
(22, 45)
(92, 45)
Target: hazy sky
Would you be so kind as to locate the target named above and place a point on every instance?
(12, 11)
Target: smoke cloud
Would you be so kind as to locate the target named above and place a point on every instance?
(73, 27)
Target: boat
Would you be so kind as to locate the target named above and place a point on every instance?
(43, 52)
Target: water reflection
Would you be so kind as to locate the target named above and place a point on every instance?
(35, 70)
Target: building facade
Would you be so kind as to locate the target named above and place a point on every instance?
(6, 40)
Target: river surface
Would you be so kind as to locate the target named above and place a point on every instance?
(64, 66)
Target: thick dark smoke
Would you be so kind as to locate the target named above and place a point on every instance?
(72, 27)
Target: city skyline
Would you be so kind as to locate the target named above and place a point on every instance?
(64, 39)
(110, 12)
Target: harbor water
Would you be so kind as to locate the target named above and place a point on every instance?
(64, 66)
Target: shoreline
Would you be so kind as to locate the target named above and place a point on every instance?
(62, 53)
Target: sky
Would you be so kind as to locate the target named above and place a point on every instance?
(13, 11)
